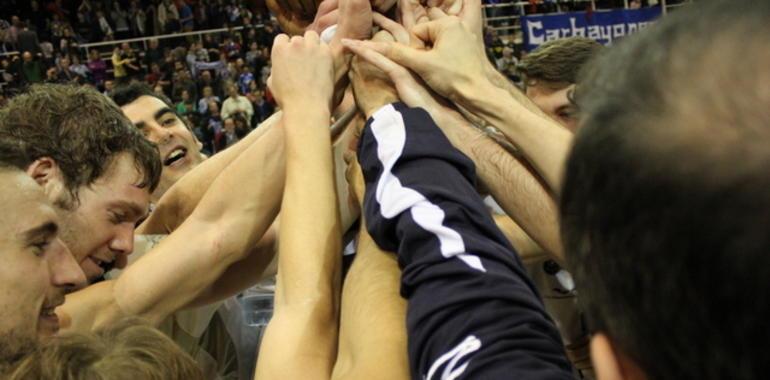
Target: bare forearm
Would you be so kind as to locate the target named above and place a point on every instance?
(303, 330)
(246, 272)
(543, 142)
(518, 191)
(232, 216)
(309, 211)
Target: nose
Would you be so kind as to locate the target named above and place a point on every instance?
(123, 242)
(64, 269)
(159, 135)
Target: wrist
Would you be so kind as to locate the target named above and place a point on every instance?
(308, 109)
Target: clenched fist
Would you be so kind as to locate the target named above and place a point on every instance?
(302, 71)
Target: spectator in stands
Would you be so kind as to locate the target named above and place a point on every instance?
(262, 109)
(230, 48)
(182, 81)
(236, 103)
(120, 20)
(138, 19)
(52, 75)
(201, 19)
(57, 27)
(31, 69)
(97, 67)
(158, 89)
(80, 68)
(245, 78)
(211, 127)
(549, 74)
(105, 28)
(11, 30)
(168, 17)
(186, 18)
(186, 104)
(108, 87)
(27, 40)
(156, 76)
(63, 72)
(252, 54)
(10, 76)
(507, 64)
(119, 66)
(208, 97)
(153, 54)
(131, 59)
(206, 79)
(84, 28)
(226, 136)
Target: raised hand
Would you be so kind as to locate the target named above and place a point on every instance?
(455, 64)
(302, 71)
(371, 86)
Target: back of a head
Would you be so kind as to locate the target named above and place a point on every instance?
(666, 202)
(558, 61)
(127, 350)
(79, 128)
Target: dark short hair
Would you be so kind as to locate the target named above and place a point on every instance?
(665, 206)
(125, 94)
(558, 60)
(76, 126)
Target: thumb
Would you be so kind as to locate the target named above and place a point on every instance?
(429, 32)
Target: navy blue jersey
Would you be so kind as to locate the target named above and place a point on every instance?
(472, 311)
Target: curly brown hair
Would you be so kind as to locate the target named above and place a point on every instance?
(79, 128)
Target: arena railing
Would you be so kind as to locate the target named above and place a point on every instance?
(144, 40)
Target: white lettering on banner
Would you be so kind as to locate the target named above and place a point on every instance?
(538, 31)
(576, 32)
(618, 30)
(606, 33)
(533, 39)
(593, 33)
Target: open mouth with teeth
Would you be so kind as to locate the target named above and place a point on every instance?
(105, 265)
(175, 156)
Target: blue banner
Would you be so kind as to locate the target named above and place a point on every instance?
(601, 26)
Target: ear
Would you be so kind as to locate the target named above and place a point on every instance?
(46, 172)
(610, 363)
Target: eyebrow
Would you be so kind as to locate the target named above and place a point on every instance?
(158, 114)
(44, 230)
(134, 209)
(162, 112)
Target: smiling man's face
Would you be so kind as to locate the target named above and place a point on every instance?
(179, 150)
(100, 229)
(37, 268)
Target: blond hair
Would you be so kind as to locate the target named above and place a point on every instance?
(128, 350)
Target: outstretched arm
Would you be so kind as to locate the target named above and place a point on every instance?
(301, 339)
(217, 234)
